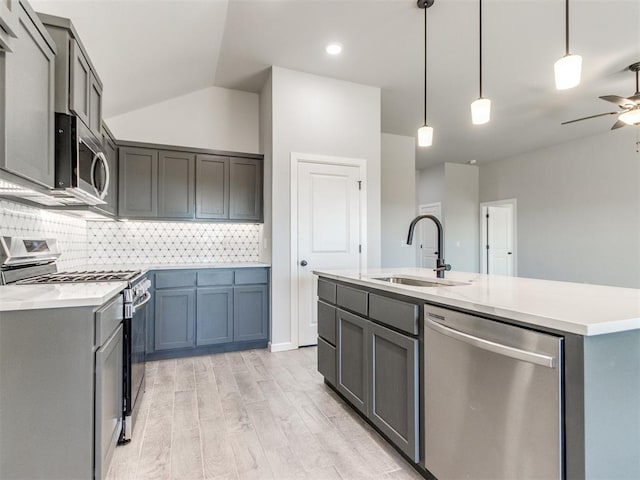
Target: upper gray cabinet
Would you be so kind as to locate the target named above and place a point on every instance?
(78, 87)
(191, 184)
(8, 23)
(212, 187)
(138, 183)
(245, 185)
(176, 184)
(27, 79)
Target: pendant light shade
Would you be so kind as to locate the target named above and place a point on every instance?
(425, 133)
(480, 108)
(568, 69)
(425, 136)
(481, 111)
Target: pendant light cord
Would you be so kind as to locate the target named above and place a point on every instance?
(566, 26)
(425, 65)
(480, 45)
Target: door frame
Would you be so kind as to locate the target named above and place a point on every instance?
(483, 232)
(297, 158)
(420, 208)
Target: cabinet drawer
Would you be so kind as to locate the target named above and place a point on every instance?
(327, 322)
(352, 299)
(251, 276)
(394, 313)
(327, 361)
(327, 291)
(107, 319)
(175, 279)
(214, 278)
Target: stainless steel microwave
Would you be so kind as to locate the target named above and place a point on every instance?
(81, 169)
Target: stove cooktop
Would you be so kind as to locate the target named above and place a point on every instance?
(81, 277)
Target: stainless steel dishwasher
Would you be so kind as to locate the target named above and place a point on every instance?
(493, 399)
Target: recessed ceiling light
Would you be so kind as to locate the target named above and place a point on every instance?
(333, 49)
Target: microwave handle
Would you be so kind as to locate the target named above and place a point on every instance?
(103, 159)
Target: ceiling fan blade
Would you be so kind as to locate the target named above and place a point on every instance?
(623, 102)
(587, 118)
(618, 124)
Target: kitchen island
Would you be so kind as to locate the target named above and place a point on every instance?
(378, 336)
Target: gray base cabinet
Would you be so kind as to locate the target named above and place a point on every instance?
(374, 366)
(250, 313)
(195, 309)
(27, 80)
(175, 318)
(393, 394)
(351, 350)
(214, 315)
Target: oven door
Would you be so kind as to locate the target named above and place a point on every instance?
(93, 170)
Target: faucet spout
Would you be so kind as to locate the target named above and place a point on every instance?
(441, 266)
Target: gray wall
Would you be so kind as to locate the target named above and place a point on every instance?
(578, 209)
(461, 217)
(398, 163)
(430, 185)
(317, 115)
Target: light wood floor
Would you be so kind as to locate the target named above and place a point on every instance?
(250, 415)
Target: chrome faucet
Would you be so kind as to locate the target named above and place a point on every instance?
(441, 266)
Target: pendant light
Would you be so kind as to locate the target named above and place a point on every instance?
(569, 68)
(425, 132)
(481, 108)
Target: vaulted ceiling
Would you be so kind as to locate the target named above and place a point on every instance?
(152, 50)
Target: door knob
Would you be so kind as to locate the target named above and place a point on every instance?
(303, 263)
(509, 253)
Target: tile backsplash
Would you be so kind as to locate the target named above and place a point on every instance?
(71, 232)
(172, 242)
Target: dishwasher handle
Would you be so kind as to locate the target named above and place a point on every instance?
(517, 353)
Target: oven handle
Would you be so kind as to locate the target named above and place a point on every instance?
(100, 156)
(147, 297)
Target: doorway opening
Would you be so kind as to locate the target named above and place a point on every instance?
(498, 221)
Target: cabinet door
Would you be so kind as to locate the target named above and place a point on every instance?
(351, 345)
(245, 189)
(80, 83)
(27, 80)
(95, 105)
(108, 401)
(138, 183)
(175, 318)
(111, 152)
(250, 313)
(176, 184)
(214, 317)
(393, 399)
(212, 187)
(8, 23)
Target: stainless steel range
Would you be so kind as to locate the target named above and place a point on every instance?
(28, 261)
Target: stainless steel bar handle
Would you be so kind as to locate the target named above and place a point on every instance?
(147, 297)
(517, 353)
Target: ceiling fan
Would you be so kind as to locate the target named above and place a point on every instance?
(630, 107)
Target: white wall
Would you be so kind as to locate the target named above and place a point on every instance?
(398, 173)
(461, 218)
(216, 118)
(578, 208)
(430, 185)
(266, 148)
(318, 115)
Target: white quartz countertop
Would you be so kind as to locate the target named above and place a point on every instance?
(92, 294)
(571, 307)
(59, 295)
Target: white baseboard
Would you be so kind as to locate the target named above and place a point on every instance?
(281, 347)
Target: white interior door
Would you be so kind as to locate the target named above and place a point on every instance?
(329, 232)
(428, 248)
(499, 240)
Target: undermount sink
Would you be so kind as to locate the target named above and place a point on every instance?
(415, 282)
